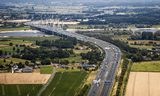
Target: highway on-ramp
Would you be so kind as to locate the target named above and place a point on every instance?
(106, 73)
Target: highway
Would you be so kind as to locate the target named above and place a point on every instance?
(106, 73)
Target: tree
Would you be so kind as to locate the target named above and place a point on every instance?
(18, 50)
(14, 48)
(4, 60)
(26, 62)
(1, 52)
(5, 53)
(64, 62)
(20, 65)
(11, 44)
(11, 62)
(46, 61)
(33, 61)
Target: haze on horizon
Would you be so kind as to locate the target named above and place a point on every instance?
(74, 1)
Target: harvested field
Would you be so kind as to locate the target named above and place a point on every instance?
(143, 84)
(23, 78)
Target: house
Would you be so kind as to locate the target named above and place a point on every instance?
(87, 66)
(14, 68)
(64, 66)
(27, 69)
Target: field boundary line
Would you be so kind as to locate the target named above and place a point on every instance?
(3, 90)
(19, 92)
(60, 78)
(81, 86)
(47, 84)
(148, 84)
(73, 85)
(134, 84)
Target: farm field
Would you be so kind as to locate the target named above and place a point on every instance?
(81, 51)
(33, 38)
(150, 66)
(143, 84)
(77, 26)
(14, 60)
(19, 89)
(10, 46)
(23, 78)
(65, 83)
(71, 59)
(143, 44)
(122, 38)
(20, 40)
(46, 70)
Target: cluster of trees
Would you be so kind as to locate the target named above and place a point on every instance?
(146, 17)
(45, 55)
(15, 49)
(42, 53)
(121, 78)
(93, 56)
(3, 53)
(8, 65)
(48, 61)
(60, 43)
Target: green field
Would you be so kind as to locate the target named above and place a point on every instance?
(142, 46)
(74, 59)
(77, 26)
(81, 51)
(152, 66)
(65, 84)
(35, 38)
(14, 60)
(19, 90)
(14, 42)
(46, 70)
(19, 40)
(14, 29)
(4, 45)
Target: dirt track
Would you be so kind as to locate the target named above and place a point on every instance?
(143, 84)
(23, 78)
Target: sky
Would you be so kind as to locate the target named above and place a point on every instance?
(38, 1)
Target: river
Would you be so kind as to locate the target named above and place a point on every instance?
(26, 33)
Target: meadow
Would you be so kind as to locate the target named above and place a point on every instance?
(19, 89)
(149, 66)
(67, 83)
(46, 70)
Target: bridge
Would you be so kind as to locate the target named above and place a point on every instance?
(106, 72)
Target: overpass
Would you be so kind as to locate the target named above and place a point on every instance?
(106, 73)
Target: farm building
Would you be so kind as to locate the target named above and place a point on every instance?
(27, 69)
(87, 66)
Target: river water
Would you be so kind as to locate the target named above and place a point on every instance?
(22, 33)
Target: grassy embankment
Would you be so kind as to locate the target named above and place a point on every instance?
(15, 29)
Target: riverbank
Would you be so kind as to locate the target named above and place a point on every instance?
(19, 31)
(14, 29)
